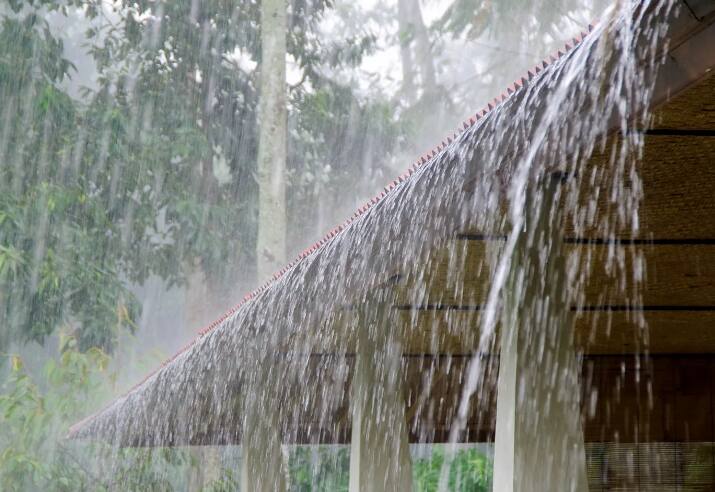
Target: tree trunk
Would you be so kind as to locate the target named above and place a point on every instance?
(405, 37)
(270, 245)
(423, 50)
(202, 306)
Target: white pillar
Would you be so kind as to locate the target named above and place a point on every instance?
(264, 469)
(379, 449)
(539, 441)
(264, 464)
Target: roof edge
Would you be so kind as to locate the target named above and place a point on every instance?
(424, 160)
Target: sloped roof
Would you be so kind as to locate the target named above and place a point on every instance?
(380, 232)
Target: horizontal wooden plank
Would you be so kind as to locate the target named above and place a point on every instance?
(678, 185)
(671, 275)
(659, 274)
(668, 332)
(596, 332)
(675, 171)
(677, 180)
(456, 275)
(692, 109)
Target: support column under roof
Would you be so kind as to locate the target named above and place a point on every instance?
(264, 464)
(539, 441)
(379, 449)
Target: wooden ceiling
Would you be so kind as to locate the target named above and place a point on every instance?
(626, 398)
(676, 240)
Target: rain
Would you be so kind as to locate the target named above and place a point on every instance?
(326, 245)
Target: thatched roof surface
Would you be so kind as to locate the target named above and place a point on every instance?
(414, 221)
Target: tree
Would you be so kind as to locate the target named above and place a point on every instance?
(153, 172)
(272, 120)
(415, 46)
(58, 237)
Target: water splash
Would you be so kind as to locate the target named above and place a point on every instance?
(289, 351)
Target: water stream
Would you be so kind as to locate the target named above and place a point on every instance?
(281, 362)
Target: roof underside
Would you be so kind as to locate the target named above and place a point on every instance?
(438, 294)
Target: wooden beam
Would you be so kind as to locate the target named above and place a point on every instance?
(667, 272)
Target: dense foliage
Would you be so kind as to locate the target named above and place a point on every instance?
(152, 171)
(57, 237)
(35, 413)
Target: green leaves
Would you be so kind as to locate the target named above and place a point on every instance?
(11, 262)
(318, 468)
(36, 411)
(472, 17)
(152, 173)
(21, 413)
(469, 471)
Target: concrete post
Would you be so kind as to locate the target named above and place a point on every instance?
(264, 464)
(379, 450)
(539, 441)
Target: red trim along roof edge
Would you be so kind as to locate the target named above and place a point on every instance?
(424, 160)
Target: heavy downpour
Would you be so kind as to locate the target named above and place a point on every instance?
(339, 245)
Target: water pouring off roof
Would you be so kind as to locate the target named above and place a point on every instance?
(568, 229)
